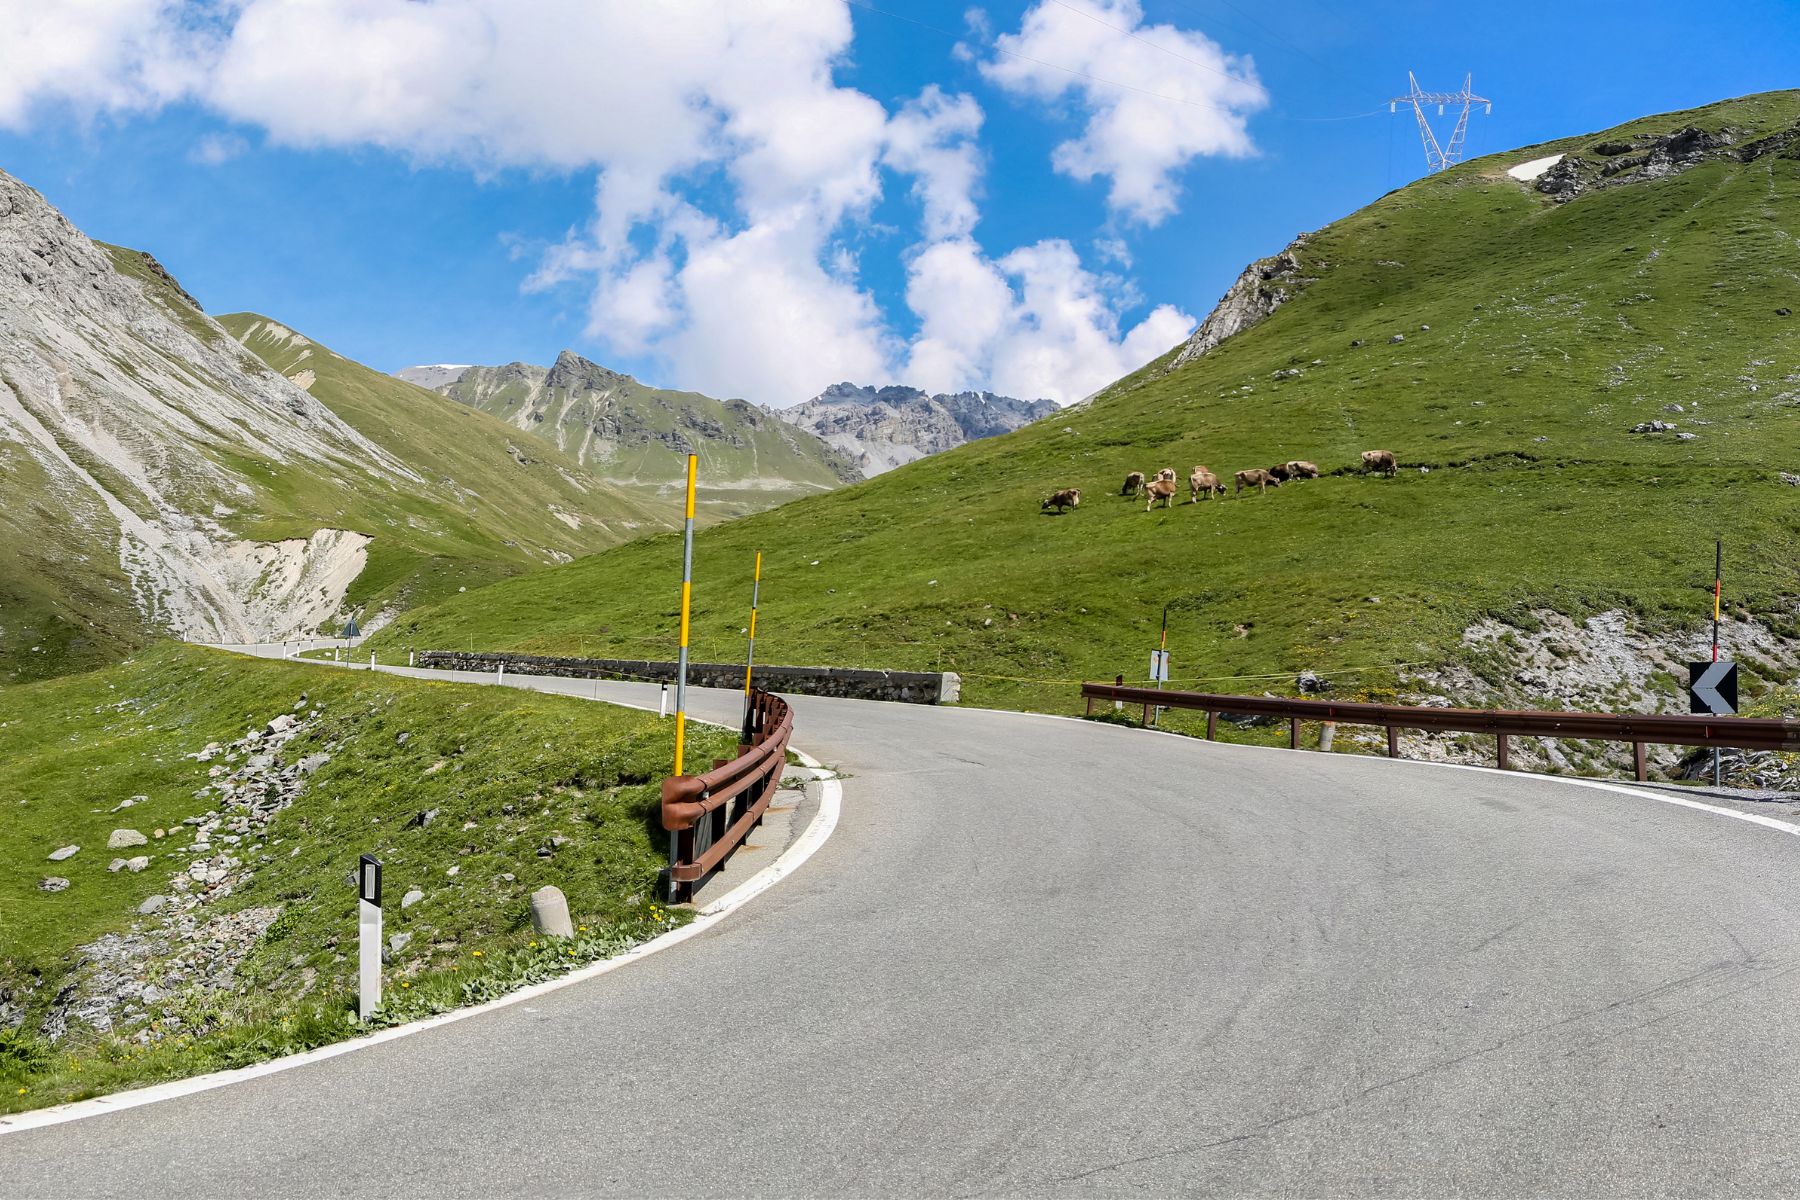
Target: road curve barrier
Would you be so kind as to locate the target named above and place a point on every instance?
(1640, 729)
(707, 816)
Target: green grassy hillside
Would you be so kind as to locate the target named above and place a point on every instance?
(472, 796)
(1536, 335)
(517, 503)
(639, 436)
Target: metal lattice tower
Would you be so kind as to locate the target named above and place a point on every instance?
(1437, 157)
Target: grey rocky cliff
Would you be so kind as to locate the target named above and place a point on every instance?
(1656, 156)
(136, 411)
(1264, 286)
(883, 428)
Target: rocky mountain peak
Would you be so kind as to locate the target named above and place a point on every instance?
(882, 428)
(577, 374)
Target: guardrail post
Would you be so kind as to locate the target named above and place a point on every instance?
(1637, 758)
(1500, 743)
(1212, 725)
(1393, 742)
(1293, 733)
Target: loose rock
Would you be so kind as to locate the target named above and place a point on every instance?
(122, 838)
(64, 852)
(411, 898)
(52, 883)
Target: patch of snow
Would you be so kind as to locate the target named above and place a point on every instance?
(433, 375)
(1527, 171)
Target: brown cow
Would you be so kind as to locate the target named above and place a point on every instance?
(1203, 481)
(1167, 473)
(1133, 482)
(1381, 461)
(1066, 498)
(1257, 478)
(1160, 489)
(1299, 468)
(1280, 471)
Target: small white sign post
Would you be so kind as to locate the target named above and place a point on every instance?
(368, 936)
(1159, 675)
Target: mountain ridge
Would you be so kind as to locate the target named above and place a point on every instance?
(638, 436)
(882, 428)
(161, 478)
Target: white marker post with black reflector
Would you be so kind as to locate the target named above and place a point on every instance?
(368, 936)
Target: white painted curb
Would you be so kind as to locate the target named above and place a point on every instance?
(831, 798)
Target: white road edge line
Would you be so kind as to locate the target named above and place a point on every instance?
(824, 822)
(1598, 784)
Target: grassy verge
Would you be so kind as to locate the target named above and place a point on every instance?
(472, 797)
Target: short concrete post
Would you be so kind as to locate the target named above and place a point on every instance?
(500, 673)
(662, 709)
(1327, 730)
(550, 913)
(409, 658)
(371, 660)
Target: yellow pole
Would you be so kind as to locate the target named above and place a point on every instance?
(687, 591)
(750, 652)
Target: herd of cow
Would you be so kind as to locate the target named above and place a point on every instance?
(1203, 483)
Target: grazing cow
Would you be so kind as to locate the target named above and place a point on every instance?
(1066, 498)
(1203, 482)
(1167, 473)
(1133, 482)
(1299, 468)
(1381, 461)
(1280, 471)
(1160, 489)
(1257, 478)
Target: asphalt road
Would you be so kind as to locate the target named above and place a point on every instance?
(1052, 958)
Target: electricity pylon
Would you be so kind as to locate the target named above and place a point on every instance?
(1437, 157)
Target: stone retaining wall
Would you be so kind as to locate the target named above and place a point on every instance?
(908, 687)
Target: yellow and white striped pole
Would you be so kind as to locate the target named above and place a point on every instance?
(750, 652)
(687, 592)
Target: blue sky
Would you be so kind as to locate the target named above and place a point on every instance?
(1034, 196)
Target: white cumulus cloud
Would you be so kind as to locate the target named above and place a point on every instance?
(1156, 97)
(734, 176)
(1033, 323)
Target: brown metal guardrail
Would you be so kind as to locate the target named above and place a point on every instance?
(1640, 729)
(708, 815)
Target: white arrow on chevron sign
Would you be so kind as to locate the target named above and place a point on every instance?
(1706, 689)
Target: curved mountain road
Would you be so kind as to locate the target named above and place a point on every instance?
(1048, 957)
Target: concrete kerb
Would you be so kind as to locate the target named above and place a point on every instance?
(817, 832)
